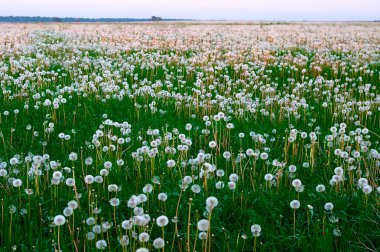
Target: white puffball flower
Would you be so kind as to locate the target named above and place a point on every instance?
(320, 188)
(295, 204)
(196, 188)
(162, 196)
(203, 225)
(268, 177)
(329, 206)
(170, 163)
(212, 201)
(292, 168)
(17, 182)
(212, 144)
(142, 250)
(367, 189)
(143, 237)
(68, 211)
(73, 156)
(162, 221)
(59, 220)
(89, 179)
(256, 230)
(114, 202)
(101, 244)
(158, 243)
(296, 183)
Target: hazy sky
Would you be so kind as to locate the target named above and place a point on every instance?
(330, 10)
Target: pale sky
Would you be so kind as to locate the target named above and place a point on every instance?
(288, 10)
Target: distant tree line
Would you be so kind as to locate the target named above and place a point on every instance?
(38, 19)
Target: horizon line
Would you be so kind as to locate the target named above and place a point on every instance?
(189, 19)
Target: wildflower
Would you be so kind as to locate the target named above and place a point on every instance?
(196, 188)
(203, 225)
(219, 185)
(70, 182)
(329, 206)
(362, 182)
(268, 177)
(104, 172)
(73, 156)
(124, 240)
(29, 191)
(143, 237)
(113, 188)
(12, 209)
(142, 250)
(57, 174)
(13, 161)
(72, 204)
(162, 196)
(162, 221)
(59, 220)
(227, 155)
(333, 182)
(320, 188)
(256, 230)
(114, 202)
(17, 182)
(300, 188)
(367, 189)
(89, 179)
(90, 236)
(90, 221)
(68, 211)
(170, 163)
(187, 180)
(338, 171)
(249, 152)
(233, 177)
(232, 185)
(88, 161)
(158, 243)
(296, 183)
(120, 162)
(142, 197)
(292, 168)
(202, 235)
(212, 144)
(101, 244)
(127, 224)
(188, 126)
(107, 165)
(98, 179)
(3, 173)
(337, 232)
(211, 202)
(295, 204)
(264, 156)
(148, 188)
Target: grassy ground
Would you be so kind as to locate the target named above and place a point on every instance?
(233, 108)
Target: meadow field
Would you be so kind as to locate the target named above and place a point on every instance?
(190, 137)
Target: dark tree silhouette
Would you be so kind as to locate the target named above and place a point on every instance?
(155, 18)
(56, 19)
